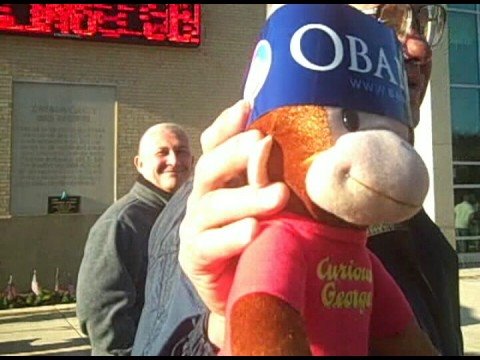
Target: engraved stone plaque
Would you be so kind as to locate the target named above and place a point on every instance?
(63, 139)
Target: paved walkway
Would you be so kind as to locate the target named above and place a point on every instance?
(54, 330)
(43, 330)
(470, 310)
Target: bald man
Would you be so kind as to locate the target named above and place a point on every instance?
(111, 279)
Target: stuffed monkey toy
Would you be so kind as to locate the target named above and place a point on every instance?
(328, 86)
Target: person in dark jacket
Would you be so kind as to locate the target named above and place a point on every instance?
(111, 279)
(185, 315)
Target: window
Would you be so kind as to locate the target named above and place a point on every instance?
(463, 23)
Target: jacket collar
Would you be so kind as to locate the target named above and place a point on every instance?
(149, 192)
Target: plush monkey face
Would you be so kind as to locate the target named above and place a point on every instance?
(371, 174)
(354, 165)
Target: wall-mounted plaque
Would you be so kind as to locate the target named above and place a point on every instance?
(63, 138)
(63, 205)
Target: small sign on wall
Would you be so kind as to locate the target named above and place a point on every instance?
(63, 205)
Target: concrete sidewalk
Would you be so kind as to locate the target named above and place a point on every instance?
(43, 330)
(470, 310)
(54, 330)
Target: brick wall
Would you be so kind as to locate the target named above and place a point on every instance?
(5, 143)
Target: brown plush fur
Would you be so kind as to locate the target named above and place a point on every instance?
(298, 133)
(283, 334)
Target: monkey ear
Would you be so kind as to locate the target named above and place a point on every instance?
(257, 173)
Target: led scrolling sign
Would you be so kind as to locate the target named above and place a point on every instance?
(153, 24)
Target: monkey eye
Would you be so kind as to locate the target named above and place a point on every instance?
(350, 120)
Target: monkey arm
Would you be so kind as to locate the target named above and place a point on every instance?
(264, 309)
(263, 324)
(394, 329)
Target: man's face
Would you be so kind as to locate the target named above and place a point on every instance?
(165, 159)
(418, 56)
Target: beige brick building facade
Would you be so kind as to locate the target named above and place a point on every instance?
(189, 86)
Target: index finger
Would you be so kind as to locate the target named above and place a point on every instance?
(229, 123)
(225, 162)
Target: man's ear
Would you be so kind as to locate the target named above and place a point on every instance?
(137, 162)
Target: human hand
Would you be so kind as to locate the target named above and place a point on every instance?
(220, 220)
